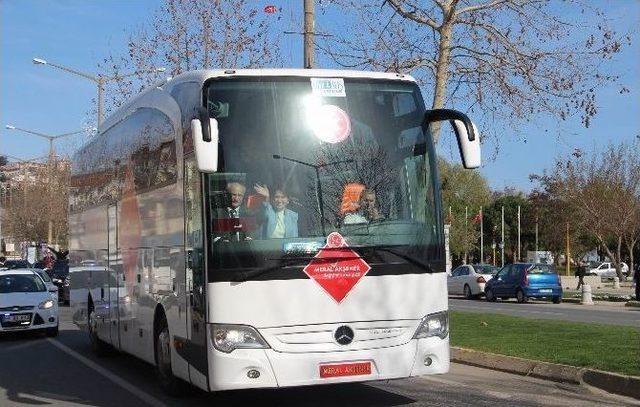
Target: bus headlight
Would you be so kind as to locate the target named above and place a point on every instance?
(436, 324)
(227, 338)
(45, 304)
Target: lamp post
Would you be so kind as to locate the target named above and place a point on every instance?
(99, 80)
(49, 137)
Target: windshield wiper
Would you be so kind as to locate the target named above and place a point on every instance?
(249, 275)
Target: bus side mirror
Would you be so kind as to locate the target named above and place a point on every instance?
(466, 133)
(206, 151)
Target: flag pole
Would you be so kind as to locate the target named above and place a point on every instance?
(502, 244)
(466, 236)
(519, 233)
(481, 237)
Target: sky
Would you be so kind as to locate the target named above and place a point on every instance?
(78, 33)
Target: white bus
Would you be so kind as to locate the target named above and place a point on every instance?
(266, 228)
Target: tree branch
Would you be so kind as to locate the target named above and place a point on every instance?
(413, 16)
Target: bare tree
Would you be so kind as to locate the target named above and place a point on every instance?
(602, 193)
(36, 207)
(510, 59)
(193, 34)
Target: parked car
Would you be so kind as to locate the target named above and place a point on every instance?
(524, 281)
(608, 270)
(53, 289)
(16, 264)
(26, 304)
(469, 279)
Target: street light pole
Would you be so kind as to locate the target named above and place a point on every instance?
(49, 137)
(99, 80)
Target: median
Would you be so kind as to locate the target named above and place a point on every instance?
(593, 346)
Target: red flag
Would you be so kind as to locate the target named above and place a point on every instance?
(477, 218)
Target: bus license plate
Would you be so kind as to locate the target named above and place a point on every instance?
(345, 369)
(17, 318)
(545, 290)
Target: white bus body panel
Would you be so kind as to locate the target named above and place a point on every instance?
(383, 311)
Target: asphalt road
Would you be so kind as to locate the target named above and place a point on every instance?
(601, 314)
(35, 370)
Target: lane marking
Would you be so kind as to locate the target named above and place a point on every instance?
(146, 397)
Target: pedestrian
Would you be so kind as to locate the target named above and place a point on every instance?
(580, 273)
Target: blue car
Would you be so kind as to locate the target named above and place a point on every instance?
(524, 281)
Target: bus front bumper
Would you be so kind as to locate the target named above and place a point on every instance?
(266, 368)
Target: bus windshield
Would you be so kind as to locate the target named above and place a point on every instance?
(301, 158)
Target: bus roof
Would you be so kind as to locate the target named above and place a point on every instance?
(200, 76)
(203, 75)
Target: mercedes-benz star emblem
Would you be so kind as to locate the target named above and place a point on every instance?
(344, 335)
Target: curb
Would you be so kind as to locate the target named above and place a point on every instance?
(635, 304)
(628, 386)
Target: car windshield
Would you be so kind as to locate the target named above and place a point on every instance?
(44, 276)
(20, 283)
(485, 269)
(303, 158)
(542, 269)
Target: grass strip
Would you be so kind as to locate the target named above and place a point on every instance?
(603, 347)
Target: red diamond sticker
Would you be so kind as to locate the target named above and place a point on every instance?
(336, 269)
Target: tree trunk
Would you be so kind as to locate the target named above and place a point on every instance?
(618, 259)
(442, 72)
(630, 245)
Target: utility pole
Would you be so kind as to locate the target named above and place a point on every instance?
(519, 258)
(481, 237)
(309, 29)
(502, 244)
(567, 261)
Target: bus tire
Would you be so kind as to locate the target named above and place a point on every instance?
(170, 384)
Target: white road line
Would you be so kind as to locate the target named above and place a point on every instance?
(149, 399)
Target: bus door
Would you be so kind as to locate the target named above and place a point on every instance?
(114, 276)
(196, 281)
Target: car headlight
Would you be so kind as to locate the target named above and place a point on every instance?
(45, 304)
(227, 338)
(436, 324)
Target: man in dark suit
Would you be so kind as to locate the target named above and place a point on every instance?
(235, 220)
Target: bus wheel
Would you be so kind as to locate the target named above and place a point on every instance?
(169, 383)
(97, 346)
